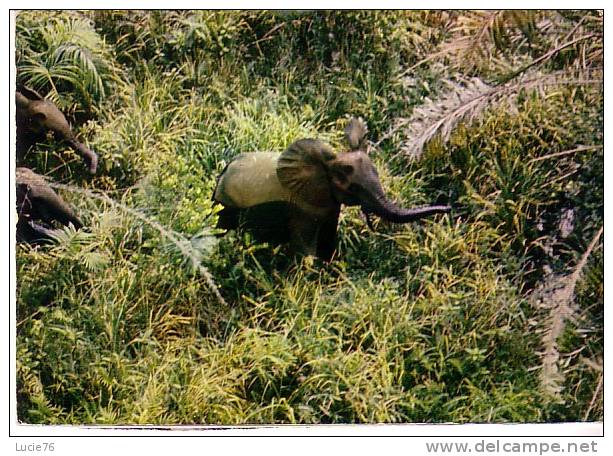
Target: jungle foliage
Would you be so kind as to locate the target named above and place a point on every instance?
(491, 314)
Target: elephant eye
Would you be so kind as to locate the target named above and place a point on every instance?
(39, 117)
(354, 188)
(347, 170)
(342, 172)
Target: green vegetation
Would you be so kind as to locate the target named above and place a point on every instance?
(491, 314)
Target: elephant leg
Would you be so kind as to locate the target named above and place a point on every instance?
(326, 240)
(227, 218)
(304, 231)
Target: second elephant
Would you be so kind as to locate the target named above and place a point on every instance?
(36, 115)
(38, 207)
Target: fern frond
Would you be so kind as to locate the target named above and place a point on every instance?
(556, 296)
(182, 244)
(94, 260)
(464, 101)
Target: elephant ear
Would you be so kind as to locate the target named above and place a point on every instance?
(39, 117)
(355, 133)
(21, 101)
(303, 170)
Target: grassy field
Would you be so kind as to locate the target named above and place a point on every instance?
(493, 313)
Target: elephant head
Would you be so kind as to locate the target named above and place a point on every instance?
(35, 115)
(316, 175)
(38, 207)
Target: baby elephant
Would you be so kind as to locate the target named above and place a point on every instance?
(296, 195)
(36, 115)
(36, 203)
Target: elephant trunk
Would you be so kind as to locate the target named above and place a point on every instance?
(386, 209)
(90, 157)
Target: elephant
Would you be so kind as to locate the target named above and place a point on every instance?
(36, 115)
(37, 202)
(296, 196)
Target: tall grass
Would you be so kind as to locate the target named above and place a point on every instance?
(429, 322)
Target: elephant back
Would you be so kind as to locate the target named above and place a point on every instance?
(249, 180)
(49, 116)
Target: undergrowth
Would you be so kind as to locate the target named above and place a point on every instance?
(436, 321)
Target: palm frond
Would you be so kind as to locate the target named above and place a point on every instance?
(83, 60)
(68, 239)
(65, 54)
(462, 101)
(478, 35)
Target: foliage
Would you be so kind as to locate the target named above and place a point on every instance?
(147, 317)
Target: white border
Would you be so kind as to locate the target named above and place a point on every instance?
(161, 441)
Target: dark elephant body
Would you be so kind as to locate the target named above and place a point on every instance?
(254, 199)
(298, 193)
(38, 207)
(35, 116)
